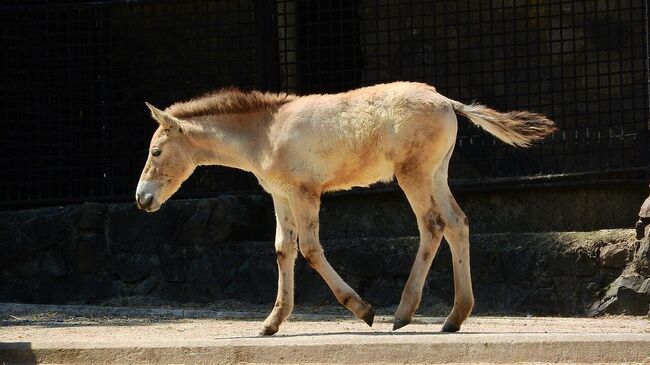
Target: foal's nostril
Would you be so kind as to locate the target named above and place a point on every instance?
(144, 201)
(148, 198)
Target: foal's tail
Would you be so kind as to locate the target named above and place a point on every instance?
(517, 128)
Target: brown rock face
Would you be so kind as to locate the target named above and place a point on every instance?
(616, 255)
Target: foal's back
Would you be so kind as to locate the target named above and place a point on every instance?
(337, 141)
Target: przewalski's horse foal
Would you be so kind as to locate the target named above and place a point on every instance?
(301, 146)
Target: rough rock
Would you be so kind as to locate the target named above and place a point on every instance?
(633, 299)
(91, 254)
(642, 257)
(146, 286)
(90, 217)
(616, 255)
(133, 267)
(628, 294)
(52, 264)
(358, 263)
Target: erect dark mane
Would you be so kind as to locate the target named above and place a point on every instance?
(227, 101)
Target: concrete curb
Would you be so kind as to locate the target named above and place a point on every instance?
(352, 349)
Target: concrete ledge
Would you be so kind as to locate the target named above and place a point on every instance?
(481, 349)
(327, 339)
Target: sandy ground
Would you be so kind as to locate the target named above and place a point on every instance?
(88, 333)
(126, 335)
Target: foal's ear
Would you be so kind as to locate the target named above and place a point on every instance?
(165, 120)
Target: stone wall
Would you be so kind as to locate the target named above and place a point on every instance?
(526, 208)
(94, 251)
(212, 249)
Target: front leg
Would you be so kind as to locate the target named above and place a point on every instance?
(305, 205)
(286, 249)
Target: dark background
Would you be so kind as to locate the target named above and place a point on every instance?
(74, 77)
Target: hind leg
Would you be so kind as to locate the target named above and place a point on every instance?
(431, 221)
(457, 235)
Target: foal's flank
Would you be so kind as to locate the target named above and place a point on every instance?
(301, 146)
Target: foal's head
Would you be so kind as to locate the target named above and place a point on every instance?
(169, 163)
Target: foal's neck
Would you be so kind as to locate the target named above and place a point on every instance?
(232, 140)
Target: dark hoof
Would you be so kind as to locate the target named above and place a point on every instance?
(268, 331)
(369, 317)
(450, 327)
(399, 323)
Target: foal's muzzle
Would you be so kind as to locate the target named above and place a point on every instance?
(147, 195)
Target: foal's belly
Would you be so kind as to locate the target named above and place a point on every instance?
(351, 174)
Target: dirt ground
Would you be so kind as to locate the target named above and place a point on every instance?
(83, 334)
(239, 314)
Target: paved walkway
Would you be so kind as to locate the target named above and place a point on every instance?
(30, 336)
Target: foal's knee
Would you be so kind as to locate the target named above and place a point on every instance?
(285, 255)
(286, 248)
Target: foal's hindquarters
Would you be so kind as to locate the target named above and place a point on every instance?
(417, 148)
(422, 175)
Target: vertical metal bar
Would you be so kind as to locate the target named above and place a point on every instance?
(646, 29)
(266, 28)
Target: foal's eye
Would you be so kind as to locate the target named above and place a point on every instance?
(155, 152)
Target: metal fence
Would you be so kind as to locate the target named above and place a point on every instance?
(74, 77)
